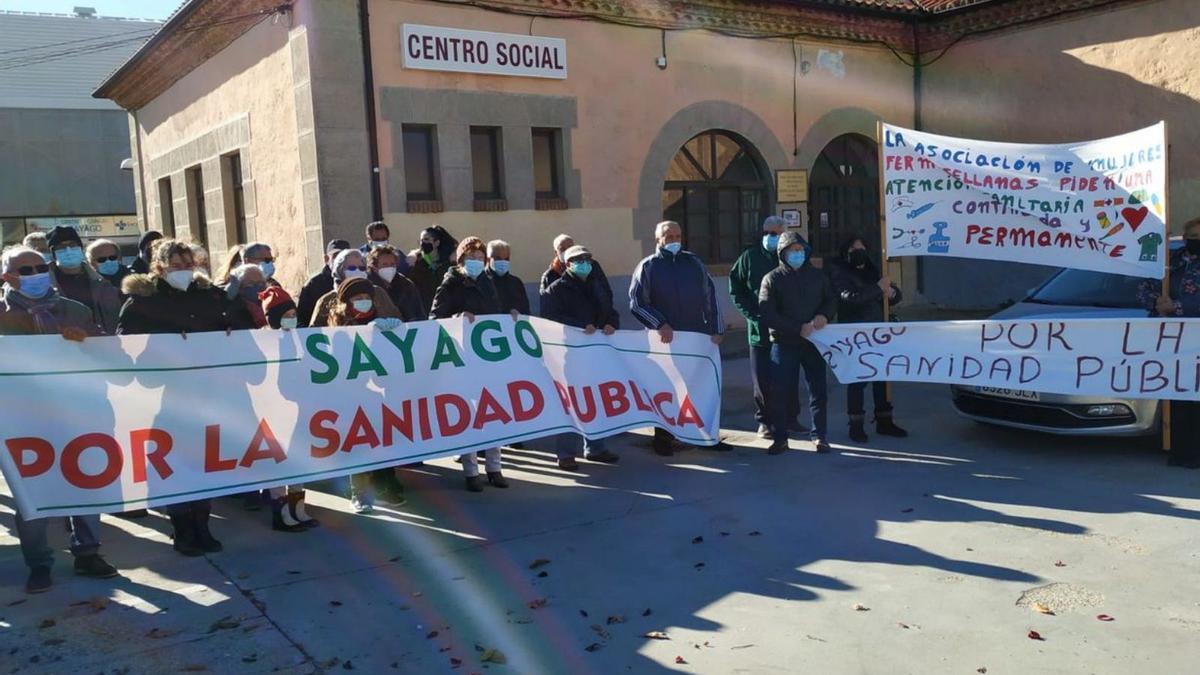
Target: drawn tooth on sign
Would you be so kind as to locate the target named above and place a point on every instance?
(938, 241)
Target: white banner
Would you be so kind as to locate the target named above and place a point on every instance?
(1125, 358)
(1097, 205)
(474, 51)
(118, 423)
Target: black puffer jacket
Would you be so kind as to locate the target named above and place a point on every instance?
(860, 300)
(460, 293)
(428, 278)
(577, 303)
(154, 306)
(403, 294)
(510, 290)
(791, 297)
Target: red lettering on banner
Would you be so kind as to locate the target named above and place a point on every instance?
(489, 410)
(564, 397)
(642, 404)
(423, 419)
(612, 396)
(263, 446)
(520, 412)
(659, 400)
(43, 455)
(393, 422)
(138, 438)
(319, 427)
(212, 451)
(114, 461)
(443, 403)
(688, 414)
(361, 432)
(587, 412)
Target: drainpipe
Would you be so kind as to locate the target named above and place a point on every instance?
(141, 168)
(364, 23)
(916, 33)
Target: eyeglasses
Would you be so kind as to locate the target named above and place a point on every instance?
(264, 260)
(111, 258)
(354, 268)
(30, 270)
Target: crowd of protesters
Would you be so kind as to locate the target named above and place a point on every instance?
(54, 285)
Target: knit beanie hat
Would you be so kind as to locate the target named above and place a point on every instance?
(276, 302)
(352, 287)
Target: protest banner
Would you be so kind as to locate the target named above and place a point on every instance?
(1126, 358)
(1098, 205)
(117, 423)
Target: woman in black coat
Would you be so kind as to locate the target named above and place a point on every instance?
(860, 290)
(433, 260)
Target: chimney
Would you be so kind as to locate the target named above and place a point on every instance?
(85, 12)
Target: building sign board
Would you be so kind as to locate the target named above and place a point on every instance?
(483, 52)
(88, 227)
(791, 185)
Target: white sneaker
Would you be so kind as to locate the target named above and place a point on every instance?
(363, 503)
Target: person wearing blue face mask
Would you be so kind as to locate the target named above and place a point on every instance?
(31, 306)
(510, 289)
(467, 292)
(671, 290)
(745, 279)
(246, 281)
(76, 280)
(105, 257)
(796, 299)
(260, 254)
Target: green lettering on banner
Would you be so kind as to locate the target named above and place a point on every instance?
(446, 351)
(363, 359)
(499, 345)
(524, 331)
(404, 345)
(312, 345)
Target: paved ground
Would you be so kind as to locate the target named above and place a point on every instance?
(747, 563)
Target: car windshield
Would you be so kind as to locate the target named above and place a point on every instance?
(1083, 288)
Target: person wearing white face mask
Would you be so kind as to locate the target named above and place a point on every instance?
(175, 298)
(31, 306)
(509, 287)
(383, 270)
(76, 280)
(350, 264)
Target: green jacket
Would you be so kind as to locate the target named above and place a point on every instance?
(744, 281)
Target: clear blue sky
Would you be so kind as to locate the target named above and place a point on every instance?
(130, 9)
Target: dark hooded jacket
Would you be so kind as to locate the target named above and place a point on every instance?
(428, 278)
(460, 293)
(860, 300)
(154, 306)
(793, 296)
(313, 290)
(404, 295)
(141, 266)
(510, 290)
(576, 302)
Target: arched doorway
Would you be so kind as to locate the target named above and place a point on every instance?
(843, 189)
(718, 189)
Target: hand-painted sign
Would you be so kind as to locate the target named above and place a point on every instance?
(1098, 205)
(161, 420)
(473, 51)
(1126, 358)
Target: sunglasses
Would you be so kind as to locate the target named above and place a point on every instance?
(354, 268)
(30, 270)
(111, 258)
(264, 260)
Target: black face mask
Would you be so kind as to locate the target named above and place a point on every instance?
(427, 247)
(858, 257)
(1192, 246)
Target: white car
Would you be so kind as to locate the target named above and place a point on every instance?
(1067, 294)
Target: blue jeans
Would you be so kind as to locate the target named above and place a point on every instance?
(787, 360)
(566, 445)
(35, 544)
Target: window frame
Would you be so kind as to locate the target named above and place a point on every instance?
(492, 134)
(430, 133)
(555, 141)
(166, 207)
(197, 211)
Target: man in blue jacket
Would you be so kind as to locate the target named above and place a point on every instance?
(671, 290)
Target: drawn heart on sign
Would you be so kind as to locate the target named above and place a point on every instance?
(1135, 216)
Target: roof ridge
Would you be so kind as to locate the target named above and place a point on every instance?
(60, 15)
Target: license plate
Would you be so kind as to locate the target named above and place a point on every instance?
(1019, 394)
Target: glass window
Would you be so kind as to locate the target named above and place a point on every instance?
(166, 207)
(198, 220)
(1084, 288)
(234, 191)
(485, 162)
(419, 171)
(546, 163)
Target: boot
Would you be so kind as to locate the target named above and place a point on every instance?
(886, 426)
(281, 517)
(299, 514)
(497, 479)
(858, 433)
(204, 538)
(184, 534)
(474, 484)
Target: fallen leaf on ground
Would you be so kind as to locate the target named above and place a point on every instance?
(543, 574)
(593, 647)
(755, 533)
(648, 612)
(1060, 564)
(615, 619)
(908, 510)
(679, 660)
(493, 656)
(224, 623)
(982, 671)
(454, 663)
(583, 613)
(599, 630)
(745, 646)
(861, 608)
(538, 563)
(432, 634)
(395, 558)
(335, 603)
(1041, 609)
(902, 625)
(443, 650)
(14, 603)
(699, 565)
(53, 642)
(656, 635)
(348, 665)
(294, 572)
(160, 633)
(697, 540)
(1105, 617)
(250, 659)
(724, 534)
(536, 604)
(1034, 635)
(47, 623)
(195, 668)
(521, 620)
